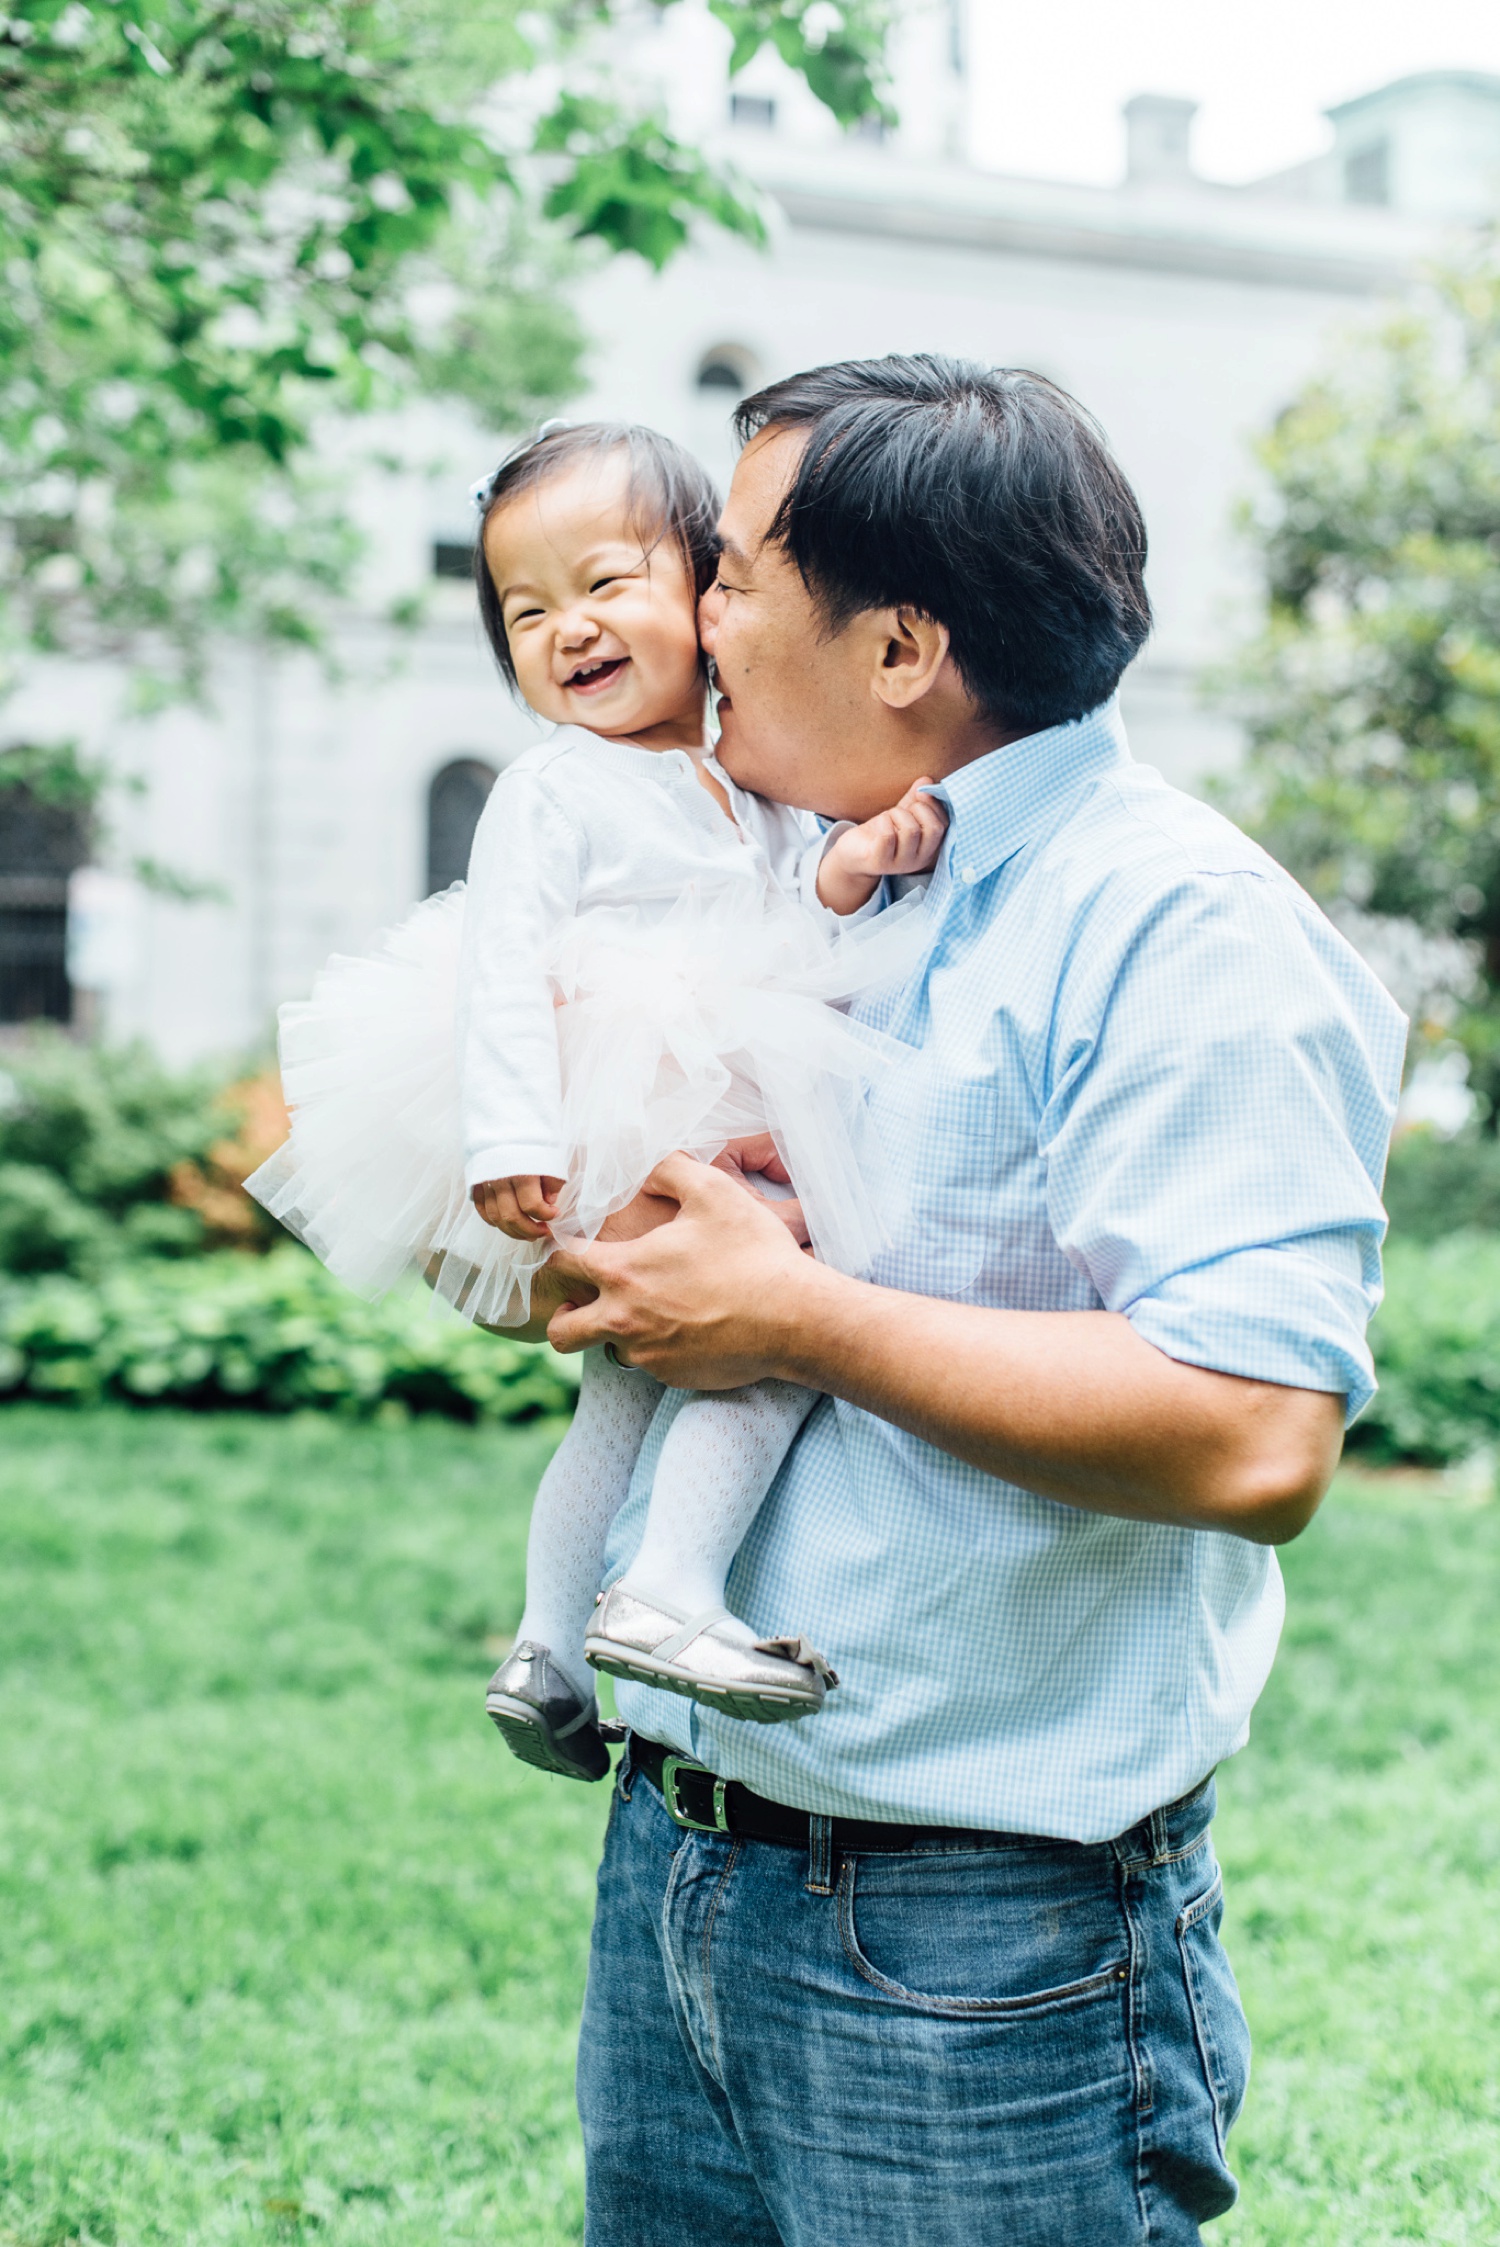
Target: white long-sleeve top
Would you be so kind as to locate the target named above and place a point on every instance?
(577, 822)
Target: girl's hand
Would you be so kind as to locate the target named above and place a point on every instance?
(521, 1208)
(904, 840)
(754, 1164)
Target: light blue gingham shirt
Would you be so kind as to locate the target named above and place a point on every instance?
(1148, 1075)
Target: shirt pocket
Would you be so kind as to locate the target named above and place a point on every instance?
(949, 1167)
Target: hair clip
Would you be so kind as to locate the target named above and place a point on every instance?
(482, 489)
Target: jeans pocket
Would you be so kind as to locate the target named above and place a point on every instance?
(982, 1935)
(1219, 2025)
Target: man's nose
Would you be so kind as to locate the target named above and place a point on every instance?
(710, 610)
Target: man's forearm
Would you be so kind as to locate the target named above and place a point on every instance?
(1075, 1405)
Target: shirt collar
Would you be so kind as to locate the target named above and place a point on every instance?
(1000, 800)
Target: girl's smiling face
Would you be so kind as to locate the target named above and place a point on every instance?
(601, 619)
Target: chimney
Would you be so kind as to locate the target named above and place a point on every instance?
(1157, 130)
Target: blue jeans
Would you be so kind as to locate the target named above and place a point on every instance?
(1023, 2044)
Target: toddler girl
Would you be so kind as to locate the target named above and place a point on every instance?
(644, 958)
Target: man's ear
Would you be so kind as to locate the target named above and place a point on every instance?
(913, 651)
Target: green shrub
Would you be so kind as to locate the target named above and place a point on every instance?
(1436, 1340)
(44, 1227)
(1436, 1186)
(105, 1154)
(273, 1334)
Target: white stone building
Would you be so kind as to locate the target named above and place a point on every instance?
(1184, 313)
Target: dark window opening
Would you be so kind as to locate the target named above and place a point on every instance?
(40, 845)
(1367, 173)
(452, 557)
(454, 801)
(752, 109)
(728, 366)
(872, 128)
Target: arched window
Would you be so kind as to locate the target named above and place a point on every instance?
(728, 366)
(454, 801)
(40, 845)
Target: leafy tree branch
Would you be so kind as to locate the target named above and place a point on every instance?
(221, 220)
(1372, 693)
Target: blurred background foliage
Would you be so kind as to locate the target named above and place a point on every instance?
(133, 1265)
(221, 220)
(106, 1155)
(1372, 695)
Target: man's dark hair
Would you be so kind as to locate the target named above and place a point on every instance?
(983, 498)
(669, 497)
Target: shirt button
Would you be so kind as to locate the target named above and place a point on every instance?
(967, 876)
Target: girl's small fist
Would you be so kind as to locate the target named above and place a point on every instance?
(904, 840)
(521, 1208)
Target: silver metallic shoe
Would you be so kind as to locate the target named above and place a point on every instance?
(713, 1658)
(542, 1719)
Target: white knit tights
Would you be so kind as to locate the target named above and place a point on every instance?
(579, 1495)
(719, 1460)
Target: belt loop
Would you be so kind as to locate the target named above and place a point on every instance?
(625, 1769)
(1159, 1836)
(819, 1856)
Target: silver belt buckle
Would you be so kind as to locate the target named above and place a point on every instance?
(670, 1767)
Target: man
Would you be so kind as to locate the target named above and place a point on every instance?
(941, 1965)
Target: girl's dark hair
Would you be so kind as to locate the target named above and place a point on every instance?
(670, 496)
(982, 497)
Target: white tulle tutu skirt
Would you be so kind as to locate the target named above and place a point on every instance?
(684, 1030)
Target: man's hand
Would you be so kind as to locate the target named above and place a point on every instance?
(744, 1161)
(904, 840)
(704, 1294)
(521, 1208)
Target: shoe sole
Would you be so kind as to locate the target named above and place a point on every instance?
(529, 1738)
(759, 1704)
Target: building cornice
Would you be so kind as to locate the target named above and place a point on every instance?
(1200, 229)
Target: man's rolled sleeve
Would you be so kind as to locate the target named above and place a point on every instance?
(1294, 1314)
(1215, 1168)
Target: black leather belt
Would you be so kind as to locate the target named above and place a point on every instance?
(705, 1803)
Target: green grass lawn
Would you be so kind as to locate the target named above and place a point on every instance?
(291, 1949)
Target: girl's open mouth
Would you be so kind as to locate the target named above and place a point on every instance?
(590, 678)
